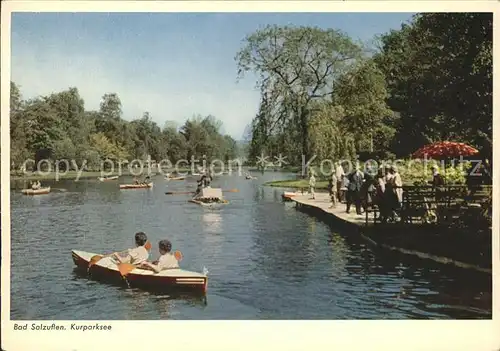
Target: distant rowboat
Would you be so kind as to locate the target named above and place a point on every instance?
(41, 191)
(104, 179)
(175, 178)
(210, 197)
(136, 186)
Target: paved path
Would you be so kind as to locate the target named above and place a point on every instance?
(322, 202)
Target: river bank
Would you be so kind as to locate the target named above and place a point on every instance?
(457, 246)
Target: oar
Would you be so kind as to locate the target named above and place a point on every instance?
(96, 258)
(192, 192)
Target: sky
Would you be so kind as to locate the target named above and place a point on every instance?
(173, 65)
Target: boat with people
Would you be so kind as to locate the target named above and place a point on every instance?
(107, 270)
(288, 195)
(136, 186)
(248, 176)
(105, 179)
(209, 197)
(175, 178)
(41, 191)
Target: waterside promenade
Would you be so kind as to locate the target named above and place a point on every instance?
(463, 249)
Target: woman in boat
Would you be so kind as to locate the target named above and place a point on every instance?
(136, 181)
(167, 260)
(139, 254)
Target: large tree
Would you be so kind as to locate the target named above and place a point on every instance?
(295, 66)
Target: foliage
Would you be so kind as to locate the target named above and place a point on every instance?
(60, 123)
(430, 80)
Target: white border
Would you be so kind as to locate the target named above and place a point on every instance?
(244, 335)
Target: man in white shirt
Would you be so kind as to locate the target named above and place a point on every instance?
(137, 255)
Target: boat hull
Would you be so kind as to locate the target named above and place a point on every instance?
(171, 281)
(175, 178)
(42, 191)
(136, 186)
(108, 179)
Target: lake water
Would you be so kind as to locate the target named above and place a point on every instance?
(266, 260)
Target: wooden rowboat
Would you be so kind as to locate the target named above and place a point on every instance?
(104, 179)
(41, 191)
(250, 177)
(136, 186)
(175, 178)
(171, 279)
(210, 197)
(209, 203)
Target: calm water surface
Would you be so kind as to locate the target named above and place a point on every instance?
(266, 260)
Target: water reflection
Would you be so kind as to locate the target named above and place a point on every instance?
(212, 222)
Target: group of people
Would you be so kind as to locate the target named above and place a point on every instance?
(139, 255)
(146, 180)
(36, 185)
(362, 190)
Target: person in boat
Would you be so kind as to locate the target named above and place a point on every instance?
(147, 180)
(167, 259)
(136, 180)
(138, 255)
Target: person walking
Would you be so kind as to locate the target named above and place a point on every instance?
(332, 187)
(339, 175)
(312, 185)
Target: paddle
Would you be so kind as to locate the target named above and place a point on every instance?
(192, 192)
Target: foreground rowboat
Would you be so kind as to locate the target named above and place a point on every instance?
(165, 281)
(136, 186)
(41, 191)
(288, 195)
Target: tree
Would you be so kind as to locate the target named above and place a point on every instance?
(362, 94)
(296, 65)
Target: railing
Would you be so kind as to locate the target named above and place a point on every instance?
(446, 204)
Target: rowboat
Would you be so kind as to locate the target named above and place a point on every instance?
(136, 186)
(210, 197)
(288, 195)
(41, 191)
(250, 177)
(175, 178)
(104, 179)
(172, 279)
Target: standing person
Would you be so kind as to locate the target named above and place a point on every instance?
(332, 187)
(343, 188)
(380, 195)
(354, 189)
(339, 174)
(398, 187)
(312, 185)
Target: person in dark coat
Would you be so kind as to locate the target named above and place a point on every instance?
(354, 190)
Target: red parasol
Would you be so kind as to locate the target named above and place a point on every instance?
(445, 149)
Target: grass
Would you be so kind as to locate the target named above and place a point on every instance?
(298, 184)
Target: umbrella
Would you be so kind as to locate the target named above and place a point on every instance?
(445, 149)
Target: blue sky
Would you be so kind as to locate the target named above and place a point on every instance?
(172, 65)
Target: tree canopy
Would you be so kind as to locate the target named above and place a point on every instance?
(59, 123)
(430, 80)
